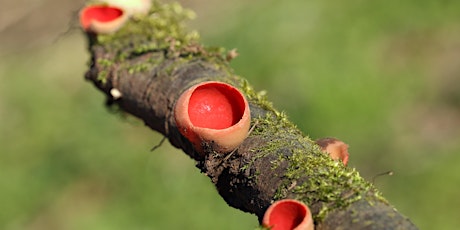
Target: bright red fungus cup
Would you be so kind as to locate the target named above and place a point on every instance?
(213, 113)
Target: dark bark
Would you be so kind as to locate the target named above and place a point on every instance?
(276, 161)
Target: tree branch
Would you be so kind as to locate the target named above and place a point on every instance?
(145, 66)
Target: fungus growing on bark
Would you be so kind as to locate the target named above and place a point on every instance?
(102, 19)
(215, 114)
(288, 214)
(337, 149)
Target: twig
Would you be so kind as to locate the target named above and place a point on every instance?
(159, 144)
(387, 173)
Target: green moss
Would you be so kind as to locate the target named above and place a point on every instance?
(162, 27)
(311, 176)
(327, 181)
(145, 64)
(102, 76)
(160, 31)
(105, 65)
(105, 62)
(258, 98)
(275, 129)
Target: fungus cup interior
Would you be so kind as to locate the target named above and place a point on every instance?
(100, 13)
(287, 216)
(216, 106)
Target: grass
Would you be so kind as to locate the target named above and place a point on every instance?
(382, 76)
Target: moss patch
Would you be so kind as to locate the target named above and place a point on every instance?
(310, 175)
(162, 26)
(160, 32)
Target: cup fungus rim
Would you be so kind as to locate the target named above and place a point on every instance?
(306, 223)
(225, 138)
(100, 23)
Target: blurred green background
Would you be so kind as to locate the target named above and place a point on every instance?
(384, 76)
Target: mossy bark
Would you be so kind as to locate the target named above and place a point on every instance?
(151, 61)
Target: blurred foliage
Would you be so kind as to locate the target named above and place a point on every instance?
(384, 76)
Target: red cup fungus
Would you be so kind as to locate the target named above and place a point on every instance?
(215, 114)
(102, 19)
(288, 214)
(336, 149)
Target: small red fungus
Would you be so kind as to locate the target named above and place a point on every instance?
(213, 113)
(102, 18)
(215, 106)
(336, 149)
(288, 214)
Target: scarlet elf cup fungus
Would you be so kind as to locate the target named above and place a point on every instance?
(215, 114)
(336, 149)
(102, 19)
(288, 214)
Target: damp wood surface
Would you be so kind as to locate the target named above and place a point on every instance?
(152, 59)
